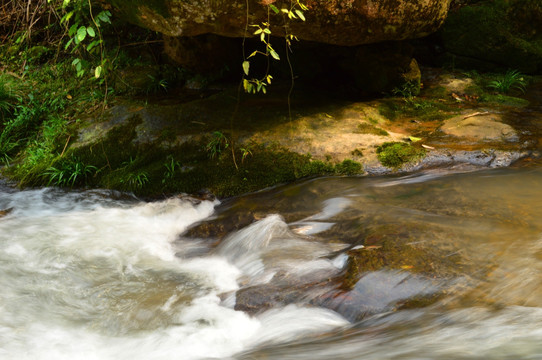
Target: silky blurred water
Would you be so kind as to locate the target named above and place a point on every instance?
(102, 275)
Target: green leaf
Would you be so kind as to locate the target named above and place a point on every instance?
(414, 139)
(259, 31)
(76, 61)
(72, 30)
(300, 14)
(98, 72)
(90, 32)
(105, 16)
(267, 31)
(262, 37)
(66, 17)
(246, 67)
(81, 33)
(274, 8)
(253, 54)
(92, 45)
(274, 54)
(68, 44)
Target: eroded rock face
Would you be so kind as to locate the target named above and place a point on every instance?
(340, 22)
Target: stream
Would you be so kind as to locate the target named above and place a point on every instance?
(103, 275)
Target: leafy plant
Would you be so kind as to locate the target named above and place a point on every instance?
(17, 130)
(245, 153)
(157, 84)
(46, 145)
(263, 31)
(136, 181)
(7, 145)
(407, 90)
(69, 173)
(83, 30)
(129, 162)
(511, 80)
(219, 142)
(171, 166)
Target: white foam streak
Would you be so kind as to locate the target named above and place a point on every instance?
(286, 324)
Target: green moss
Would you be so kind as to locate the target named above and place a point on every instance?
(348, 167)
(436, 92)
(503, 100)
(268, 166)
(365, 128)
(415, 107)
(395, 154)
(389, 108)
(357, 152)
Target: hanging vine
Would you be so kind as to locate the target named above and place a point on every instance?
(295, 11)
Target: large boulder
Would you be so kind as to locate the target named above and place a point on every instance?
(496, 35)
(339, 22)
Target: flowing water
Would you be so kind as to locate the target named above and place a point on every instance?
(102, 275)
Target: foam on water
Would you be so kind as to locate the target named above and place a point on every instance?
(88, 277)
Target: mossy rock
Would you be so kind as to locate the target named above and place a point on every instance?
(396, 154)
(492, 34)
(142, 168)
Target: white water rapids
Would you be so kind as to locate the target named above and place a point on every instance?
(86, 277)
(100, 275)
